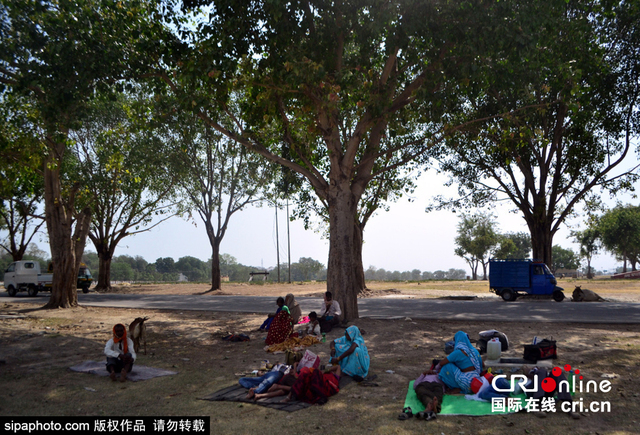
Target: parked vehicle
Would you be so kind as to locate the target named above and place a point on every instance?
(26, 276)
(512, 278)
(84, 277)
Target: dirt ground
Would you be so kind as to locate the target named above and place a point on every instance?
(37, 347)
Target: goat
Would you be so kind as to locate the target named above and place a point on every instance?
(138, 333)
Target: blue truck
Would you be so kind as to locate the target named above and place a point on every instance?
(512, 278)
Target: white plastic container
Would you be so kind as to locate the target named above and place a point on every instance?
(494, 349)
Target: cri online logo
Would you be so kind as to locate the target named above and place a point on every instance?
(550, 385)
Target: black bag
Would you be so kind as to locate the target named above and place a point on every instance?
(546, 349)
(236, 337)
(486, 336)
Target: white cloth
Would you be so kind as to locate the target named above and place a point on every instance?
(485, 385)
(114, 349)
(334, 309)
(312, 329)
(284, 368)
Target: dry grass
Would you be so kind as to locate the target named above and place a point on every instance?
(617, 290)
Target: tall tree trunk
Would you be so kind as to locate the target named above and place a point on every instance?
(59, 217)
(80, 235)
(216, 278)
(104, 272)
(589, 272)
(541, 242)
(341, 267)
(357, 258)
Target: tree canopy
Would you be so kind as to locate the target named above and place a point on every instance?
(564, 259)
(619, 230)
(57, 54)
(123, 163)
(570, 98)
(476, 240)
(337, 92)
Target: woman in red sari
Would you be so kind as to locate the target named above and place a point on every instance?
(315, 387)
(281, 327)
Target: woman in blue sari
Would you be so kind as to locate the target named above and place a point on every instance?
(351, 353)
(462, 365)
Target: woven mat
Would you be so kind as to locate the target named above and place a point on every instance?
(237, 393)
(139, 373)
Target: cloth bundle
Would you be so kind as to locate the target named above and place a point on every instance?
(293, 343)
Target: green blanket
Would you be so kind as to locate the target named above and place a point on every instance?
(453, 405)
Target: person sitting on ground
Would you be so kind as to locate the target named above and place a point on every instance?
(120, 353)
(281, 327)
(351, 353)
(461, 366)
(313, 327)
(265, 325)
(260, 384)
(314, 386)
(294, 308)
(329, 313)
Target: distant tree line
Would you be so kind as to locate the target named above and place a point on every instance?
(375, 274)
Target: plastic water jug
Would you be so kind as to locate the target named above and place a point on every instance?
(494, 349)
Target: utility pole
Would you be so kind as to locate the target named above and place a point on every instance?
(277, 243)
(288, 241)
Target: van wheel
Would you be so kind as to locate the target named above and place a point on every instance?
(32, 291)
(85, 289)
(11, 290)
(508, 295)
(558, 296)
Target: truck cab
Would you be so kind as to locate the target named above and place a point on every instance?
(512, 278)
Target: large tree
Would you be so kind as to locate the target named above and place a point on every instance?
(589, 241)
(323, 85)
(572, 98)
(123, 164)
(513, 246)
(619, 230)
(475, 241)
(219, 178)
(57, 54)
(21, 181)
(564, 259)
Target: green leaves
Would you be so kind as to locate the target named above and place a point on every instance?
(619, 230)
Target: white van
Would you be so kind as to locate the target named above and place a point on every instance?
(25, 275)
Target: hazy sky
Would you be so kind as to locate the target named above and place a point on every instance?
(404, 238)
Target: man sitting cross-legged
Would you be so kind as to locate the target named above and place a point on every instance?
(120, 353)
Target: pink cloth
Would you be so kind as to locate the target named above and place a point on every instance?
(427, 378)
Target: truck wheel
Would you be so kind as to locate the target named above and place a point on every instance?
(32, 291)
(558, 296)
(85, 289)
(508, 295)
(11, 290)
